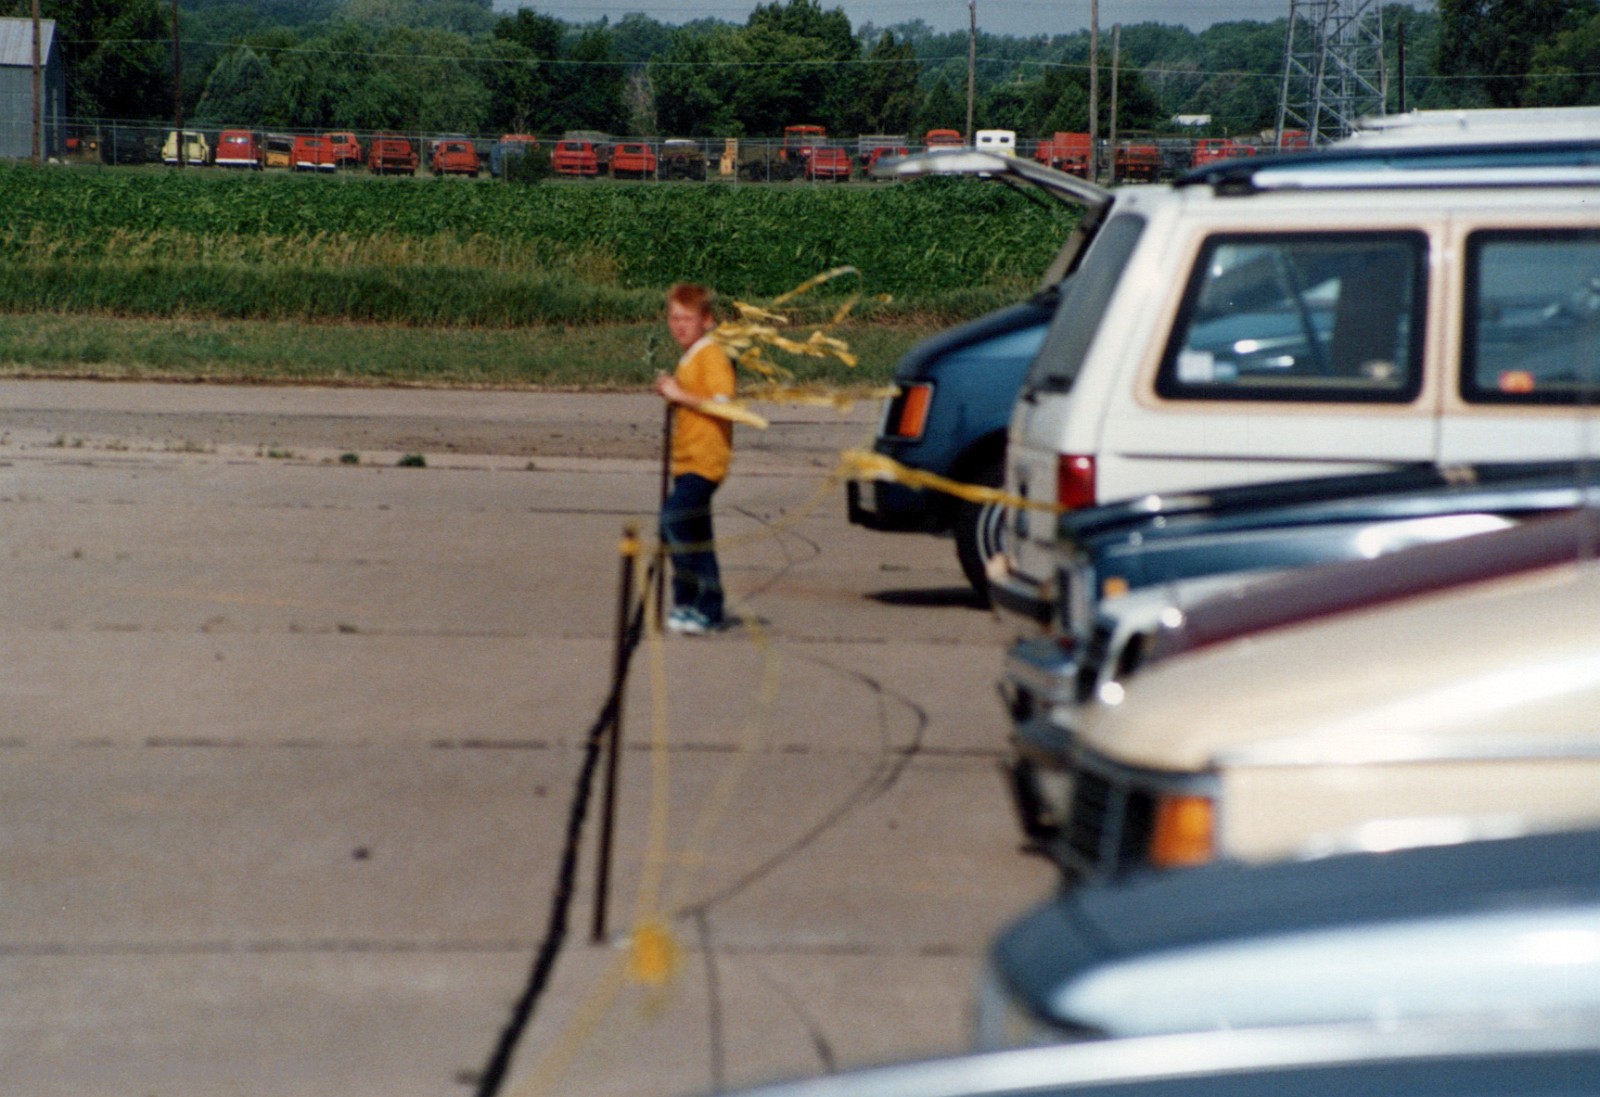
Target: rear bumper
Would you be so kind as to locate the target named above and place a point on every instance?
(894, 508)
(1022, 599)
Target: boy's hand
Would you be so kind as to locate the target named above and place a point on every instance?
(667, 388)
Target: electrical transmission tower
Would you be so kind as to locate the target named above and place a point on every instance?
(1333, 68)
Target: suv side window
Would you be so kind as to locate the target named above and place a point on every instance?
(1084, 298)
(1312, 317)
(1532, 318)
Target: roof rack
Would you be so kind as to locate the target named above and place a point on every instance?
(1571, 161)
(1494, 126)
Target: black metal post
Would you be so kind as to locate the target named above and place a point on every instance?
(613, 734)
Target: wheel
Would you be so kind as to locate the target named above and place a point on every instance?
(980, 530)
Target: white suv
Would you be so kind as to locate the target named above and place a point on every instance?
(1426, 292)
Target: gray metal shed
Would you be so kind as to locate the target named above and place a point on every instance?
(16, 89)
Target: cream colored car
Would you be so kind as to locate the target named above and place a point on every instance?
(1468, 714)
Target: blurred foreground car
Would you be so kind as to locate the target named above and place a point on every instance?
(1240, 560)
(1464, 712)
(1491, 931)
(1437, 1061)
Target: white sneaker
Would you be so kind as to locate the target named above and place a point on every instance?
(687, 621)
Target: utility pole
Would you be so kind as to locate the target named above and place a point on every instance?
(1116, 56)
(972, 64)
(177, 86)
(38, 92)
(1399, 64)
(1094, 91)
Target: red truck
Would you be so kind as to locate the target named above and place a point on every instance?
(1068, 152)
(795, 153)
(1137, 163)
(581, 154)
(391, 155)
(874, 147)
(454, 156)
(944, 139)
(239, 149)
(633, 158)
(1209, 150)
(346, 149)
(828, 162)
(312, 153)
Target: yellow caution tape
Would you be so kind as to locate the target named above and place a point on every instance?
(732, 410)
(656, 954)
(860, 464)
(818, 396)
(757, 328)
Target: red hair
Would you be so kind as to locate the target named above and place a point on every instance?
(690, 296)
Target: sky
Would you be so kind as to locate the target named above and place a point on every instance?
(1014, 17)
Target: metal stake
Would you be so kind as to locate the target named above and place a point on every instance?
(613, 734)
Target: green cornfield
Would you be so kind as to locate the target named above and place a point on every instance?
(205, 243)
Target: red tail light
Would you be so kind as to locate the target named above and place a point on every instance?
(1074, 481)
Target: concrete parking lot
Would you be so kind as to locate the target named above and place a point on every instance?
(291, 735)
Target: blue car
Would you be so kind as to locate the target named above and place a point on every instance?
(949, 418)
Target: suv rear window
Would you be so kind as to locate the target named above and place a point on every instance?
(1311, 317)
(1532, 318)
(1084, 296)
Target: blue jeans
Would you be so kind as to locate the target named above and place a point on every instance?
(686, 531)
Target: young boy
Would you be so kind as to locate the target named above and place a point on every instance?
(702, 447)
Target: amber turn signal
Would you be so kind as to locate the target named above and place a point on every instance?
(1184, 832)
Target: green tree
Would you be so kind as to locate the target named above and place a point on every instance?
(692, 87)
(797, 65)
(887, 96)
(237, 91)
(118, 56)
(942, 109)
(588, 88)
(637, 38)
(522, 79)
(1495, 40)
(1009, 106)
(1566, 72)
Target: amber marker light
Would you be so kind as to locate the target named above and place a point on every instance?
(911, 412)
(1184, 833)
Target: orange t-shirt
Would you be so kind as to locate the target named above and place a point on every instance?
(703, 444)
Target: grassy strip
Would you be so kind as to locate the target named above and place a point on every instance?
(915, 242)
(362, 292)
(595, 357)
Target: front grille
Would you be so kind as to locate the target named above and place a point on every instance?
(1107, 831)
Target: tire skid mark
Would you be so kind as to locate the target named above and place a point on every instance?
(885, 770)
